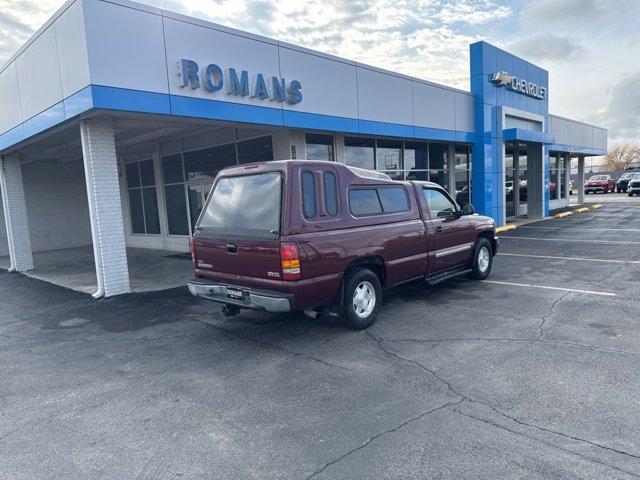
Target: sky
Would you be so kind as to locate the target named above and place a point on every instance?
(590, 47)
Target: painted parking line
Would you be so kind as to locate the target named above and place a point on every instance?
(604, 229)
(574, 240)
(547, 287)
(551, 257)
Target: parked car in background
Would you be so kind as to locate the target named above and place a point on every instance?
(633, 187)
(329, 239)
(600, 183)
(623, 182)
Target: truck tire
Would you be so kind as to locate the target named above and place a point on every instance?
(482, 259)
(362, 299)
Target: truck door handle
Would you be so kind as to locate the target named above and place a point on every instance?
(439, 230)
(232, 248)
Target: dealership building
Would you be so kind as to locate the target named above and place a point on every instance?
(116, 117)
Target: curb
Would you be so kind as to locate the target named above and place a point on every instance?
(581, 210)
(505, 228)
(596, 206)
(562, 215)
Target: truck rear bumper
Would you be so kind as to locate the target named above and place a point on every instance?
(252, 298)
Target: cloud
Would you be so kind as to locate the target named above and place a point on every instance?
(548, 47)
(567, 12)
(621, 115)
(474, 12)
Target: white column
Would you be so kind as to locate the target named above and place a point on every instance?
(580, 179)
(339, 147)
(15, 214)
(105, 209)
(285, 142)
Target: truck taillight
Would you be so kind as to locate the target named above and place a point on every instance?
(290, 260)
(193, 252)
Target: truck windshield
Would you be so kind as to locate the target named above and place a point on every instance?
(246, 205)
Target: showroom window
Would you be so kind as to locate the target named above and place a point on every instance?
(416, 161)
(319, 147)
(438, 164)
(360, 152)
(205, 164)
(188, 176)
(174, 194)
(143, 200)
(462, 173)
(553, 177)
(255, 150)
(389, 157)
(562, 165)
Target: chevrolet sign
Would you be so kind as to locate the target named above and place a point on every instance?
(518, 85)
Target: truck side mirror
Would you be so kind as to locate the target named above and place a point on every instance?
(467, 209)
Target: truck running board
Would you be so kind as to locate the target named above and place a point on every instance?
(446, 275)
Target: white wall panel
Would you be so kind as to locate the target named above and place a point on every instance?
(39, 75)
(586, 136)
(329, 87)
(72, 49)
(10, 114)
(384, 98)
(465, 115)
(126, 47)
(573, 133)
(433, 106)
(558, 128)
(599, 138)
(206, 46)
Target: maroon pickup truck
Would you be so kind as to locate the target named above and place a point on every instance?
(329, 239)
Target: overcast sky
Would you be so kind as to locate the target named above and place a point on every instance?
(590, 47)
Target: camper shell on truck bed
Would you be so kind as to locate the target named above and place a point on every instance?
(293, 235)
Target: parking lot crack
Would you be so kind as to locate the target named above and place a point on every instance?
(550, 444)
(380, 434)
(380, 342)
(274, 346)
(541, 325)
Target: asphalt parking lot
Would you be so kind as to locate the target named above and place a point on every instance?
(532, 374)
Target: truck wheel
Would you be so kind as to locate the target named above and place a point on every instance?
(482, 259)
(362, 299)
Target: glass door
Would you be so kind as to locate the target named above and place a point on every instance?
(510, 180)
(198, 195)
(523, 178)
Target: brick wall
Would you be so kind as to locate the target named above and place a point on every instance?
(57, 208)
(14, 204)
(101, 166)
(283, 140)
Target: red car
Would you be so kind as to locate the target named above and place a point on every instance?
(329, 239)
(600, 183)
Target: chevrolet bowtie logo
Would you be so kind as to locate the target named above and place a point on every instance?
(501, 79)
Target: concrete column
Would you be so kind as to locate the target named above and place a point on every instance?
(580, 179)
(535, 182)
(15, 214)
(286, 142)
(105, 209)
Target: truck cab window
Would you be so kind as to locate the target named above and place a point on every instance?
(308, 194)
(439, 204)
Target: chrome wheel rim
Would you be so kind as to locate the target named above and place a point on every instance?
(483, 260)
(364, 299)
